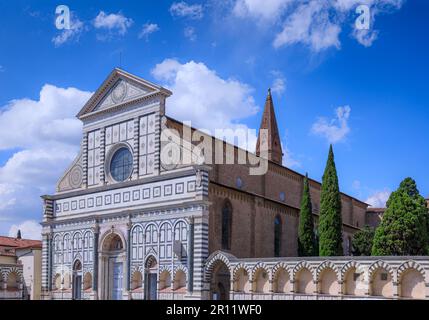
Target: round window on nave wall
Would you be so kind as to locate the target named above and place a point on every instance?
(121, 164)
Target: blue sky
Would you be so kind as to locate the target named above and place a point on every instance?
(364, 91)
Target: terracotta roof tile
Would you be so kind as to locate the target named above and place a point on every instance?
(19, 243)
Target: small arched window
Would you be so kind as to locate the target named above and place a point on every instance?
(226, 225)
(277, 235)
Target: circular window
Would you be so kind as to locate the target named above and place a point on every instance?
(282, 196)
(121, 165)
(239, 183)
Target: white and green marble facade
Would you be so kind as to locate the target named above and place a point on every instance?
(160, 216)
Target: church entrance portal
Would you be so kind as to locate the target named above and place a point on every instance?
(77, 280)
(112, 258)
(151, 278)
(220, 282)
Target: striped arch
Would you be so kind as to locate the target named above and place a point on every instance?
(135, 268)
(326, 265)
(380, 264)
(410, 264)
(260, 265)
(237, 268)
(213, 261)
(165, 268)
(299, 266)
(180, 267)
(346, 267)
(277, 267)
(13, 270)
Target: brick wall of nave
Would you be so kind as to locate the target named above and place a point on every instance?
(253, 220)
(284, 185)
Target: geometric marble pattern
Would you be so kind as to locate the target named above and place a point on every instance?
(173, 189)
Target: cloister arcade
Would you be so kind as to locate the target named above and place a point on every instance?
(317, 278)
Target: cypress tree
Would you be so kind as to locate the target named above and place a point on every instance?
(330, 221)
(18, 234)
(404, 227)
(306, 239)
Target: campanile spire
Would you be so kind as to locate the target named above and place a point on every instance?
(271, 135)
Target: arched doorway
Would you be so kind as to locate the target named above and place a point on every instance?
(77, 280)
(151, 278)
(112, 266)
(220, 282)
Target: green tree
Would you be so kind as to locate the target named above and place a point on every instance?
(404, 227)
(330, 221)
(306, 239)
(362, 241)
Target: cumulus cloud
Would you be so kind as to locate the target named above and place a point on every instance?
(185, 10)
(279, 83)
(30, 229)
(189, 32)
(70, 35)
(46, 135)
(336, 129)
(204, 98)
(316, 24)
(116, 24)
(265, 10)
(378, 199)
(148, 29)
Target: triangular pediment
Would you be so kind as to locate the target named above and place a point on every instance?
(119, 89)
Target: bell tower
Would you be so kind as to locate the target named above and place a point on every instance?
(271, 136)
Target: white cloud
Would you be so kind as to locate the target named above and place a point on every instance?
(148, 29)
(204, 98)
(265, 10)
(114, 23)
(30, 229)
(69, 35)
(289, 158)
(365, 37)
(309, 24)
(378, 199)
(316, 24)
(184, 10)
(47, 136)
(1, 68)
(334, 130)
(279, 83)
(189, 32)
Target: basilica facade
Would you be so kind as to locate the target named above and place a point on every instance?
(125, 224)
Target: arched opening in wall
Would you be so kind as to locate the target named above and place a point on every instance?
(277, 235)
(226, 225)
(220, 282)
(151, 278)
(281, 283)
(137, 281)
(57, 282)
(412, 285)
(179, 281)
(381, 284)
(77, 280)
(241, 282)
(165, 281)
(304, 282)
(261, 282)
(87, 282)
(12, 281)
(112, 257)
(328, 282)
(354, 284)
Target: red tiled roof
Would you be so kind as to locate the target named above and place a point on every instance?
(19, 243)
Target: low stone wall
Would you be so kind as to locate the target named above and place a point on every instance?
(317, 278)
